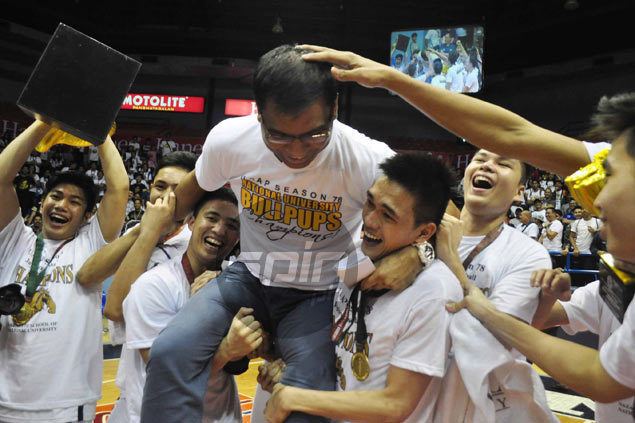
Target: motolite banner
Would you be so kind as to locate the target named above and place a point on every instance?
(235, 107)
(164, 103)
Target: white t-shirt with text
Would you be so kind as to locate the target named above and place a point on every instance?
(154, 299)
(295, 224)
(51, 356)
(407, 329)
(586, 311)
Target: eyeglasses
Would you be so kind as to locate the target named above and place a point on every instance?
(312, 139)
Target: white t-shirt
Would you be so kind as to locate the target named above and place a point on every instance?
(554, 244)
(595, 147)
(587, 311)
(471, 81)
(584, 238)
(438, 81)
(617, 355)
(154, 299)
(503, 269)
(533, 194)
(175, 246)
(456, 77)
(502, 272)
(407, 329)
(52, 360)
(530, 229)
(295, 224)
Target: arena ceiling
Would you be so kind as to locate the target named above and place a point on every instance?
(519, 33)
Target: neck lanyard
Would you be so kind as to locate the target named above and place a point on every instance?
(485, 242)
(35, 278)
(187, 268)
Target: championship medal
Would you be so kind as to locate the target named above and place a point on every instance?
(360, 366)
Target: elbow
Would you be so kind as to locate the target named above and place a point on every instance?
(113, 313)
(398, 408)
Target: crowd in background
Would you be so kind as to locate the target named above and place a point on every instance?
(140, 157)
(548, 214)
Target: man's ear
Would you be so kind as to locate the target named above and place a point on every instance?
(190, 221)
(335, 109)
(425, 231)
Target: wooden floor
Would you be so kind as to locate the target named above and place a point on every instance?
(567, 404)
(247, 388)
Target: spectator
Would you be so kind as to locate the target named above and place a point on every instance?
(582, 231)
(527, 226)
(552, 232)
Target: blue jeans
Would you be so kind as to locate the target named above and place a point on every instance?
(180, 358)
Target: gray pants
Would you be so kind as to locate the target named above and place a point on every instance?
(180, 359)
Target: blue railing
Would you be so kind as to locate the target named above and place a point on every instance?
(572, 270)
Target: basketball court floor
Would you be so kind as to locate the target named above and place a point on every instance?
(569, 408)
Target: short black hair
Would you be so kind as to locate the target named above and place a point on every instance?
(615, 116)
(558, 212)
(184, 159)
(427, 178)
(80, 180)
(577, 207)
(453, 56)
(224, 194)
(399, 55)
(291, 83)
(437, 65)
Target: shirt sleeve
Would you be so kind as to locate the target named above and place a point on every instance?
(14, 237)
(423, 341)
(92, 233)
(209, 169)
(147, 309)
(593, 148)
(583, 310)
(513, 294)
(617, 355)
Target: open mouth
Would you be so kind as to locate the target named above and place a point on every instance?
(370, 238)
(58, 218)
(213, 242)
(482, 182)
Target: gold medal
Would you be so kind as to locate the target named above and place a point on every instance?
(360, 366)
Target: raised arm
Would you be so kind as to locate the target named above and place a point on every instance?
(483, 124)
(188, 192)
(112, 209)
(154, 223)
(11, 160)
(572, 364)
(105, 261)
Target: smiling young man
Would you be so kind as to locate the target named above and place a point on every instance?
(158, 295)
(607, 376)
(499, 260)
(301, 177)
(51, 350)
(136, 251)
(402, 335)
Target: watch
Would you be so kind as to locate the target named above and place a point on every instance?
(426, 253)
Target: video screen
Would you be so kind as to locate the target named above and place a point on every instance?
(450, 57)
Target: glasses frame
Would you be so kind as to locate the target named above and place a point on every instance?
(310, 138)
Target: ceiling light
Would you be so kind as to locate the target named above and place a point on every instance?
(277, 27)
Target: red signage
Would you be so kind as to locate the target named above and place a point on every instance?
(234, 107)
(164, 103)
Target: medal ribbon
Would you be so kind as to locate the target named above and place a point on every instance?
(187, 268)
(35, 278)
(485, 242)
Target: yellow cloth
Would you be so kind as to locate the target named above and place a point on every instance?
(57, 136)
(586, 183)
